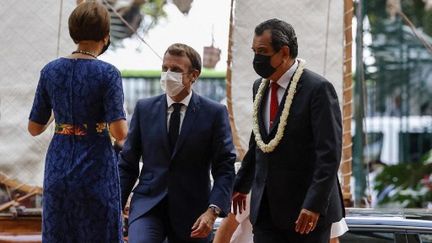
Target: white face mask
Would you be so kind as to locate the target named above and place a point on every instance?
(171, 83)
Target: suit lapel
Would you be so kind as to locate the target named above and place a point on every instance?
(160, 112)
(188, 122)
(261, 115)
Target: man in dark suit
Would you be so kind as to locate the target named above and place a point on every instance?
(180, 137)
(295, 148)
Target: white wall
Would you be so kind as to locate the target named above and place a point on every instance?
(29, 35)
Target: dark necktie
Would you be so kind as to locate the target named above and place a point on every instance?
(174, 125)
(274, 103)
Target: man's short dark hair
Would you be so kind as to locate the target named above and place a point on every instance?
(179, 49)
(89, 21)
(282, 34)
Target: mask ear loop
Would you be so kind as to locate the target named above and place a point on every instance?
(282, 61)
(193, 79)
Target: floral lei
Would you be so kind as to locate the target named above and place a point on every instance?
(269, 147)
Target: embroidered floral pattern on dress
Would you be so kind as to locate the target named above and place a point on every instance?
(78, 130)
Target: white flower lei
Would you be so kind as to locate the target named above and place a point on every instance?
(269, 147)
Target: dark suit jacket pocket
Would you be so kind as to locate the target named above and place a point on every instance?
(142, 189)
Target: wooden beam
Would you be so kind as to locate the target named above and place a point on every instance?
(241, 151)
(14, 184)
(16, 201)
(346, 163)
(20, 225)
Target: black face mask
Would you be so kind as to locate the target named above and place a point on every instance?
(262, 65)
(105, 47)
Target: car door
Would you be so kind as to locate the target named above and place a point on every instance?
(374, 234)
(419, 237)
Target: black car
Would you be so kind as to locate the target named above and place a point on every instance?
(385, 226)
(388, 225)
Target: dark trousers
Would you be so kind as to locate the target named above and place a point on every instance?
(155, 227)
(265, 231)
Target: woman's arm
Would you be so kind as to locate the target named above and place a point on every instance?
(226, 229)
(35, 128)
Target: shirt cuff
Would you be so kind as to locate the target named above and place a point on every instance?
(215, 209)
(213, 205)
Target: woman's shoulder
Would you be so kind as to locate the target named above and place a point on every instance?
(62, 61)
(108, 66)
(55, 67)
(56, 63)
(97, 67)
(105, 64)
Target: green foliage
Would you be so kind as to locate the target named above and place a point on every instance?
(154, 9)
(427, 22)
(397, 69)
(407, 184)
(414, 9)
(376, 12)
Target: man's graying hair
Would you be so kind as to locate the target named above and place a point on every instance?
(179, 49)
(282, 34)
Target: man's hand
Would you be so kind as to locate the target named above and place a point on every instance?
(239, 202)
(306, 222)
(204, 225)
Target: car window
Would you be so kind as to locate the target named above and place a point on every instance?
(425, 238)
(409, 238)
(369, 237)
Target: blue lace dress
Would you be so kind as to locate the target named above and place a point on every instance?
(81, 190)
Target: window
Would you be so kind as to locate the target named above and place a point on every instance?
(425, 238)
(367, 236)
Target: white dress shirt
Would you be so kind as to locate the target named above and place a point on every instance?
(170, 109)
(283, 83)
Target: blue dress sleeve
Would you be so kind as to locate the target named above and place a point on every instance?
(113, 97)
(41, 110)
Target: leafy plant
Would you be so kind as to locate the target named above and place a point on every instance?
(407, 184)
(154, 10)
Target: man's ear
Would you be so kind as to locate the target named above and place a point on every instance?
(106, 38)
(286, 51)
(195, 75)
